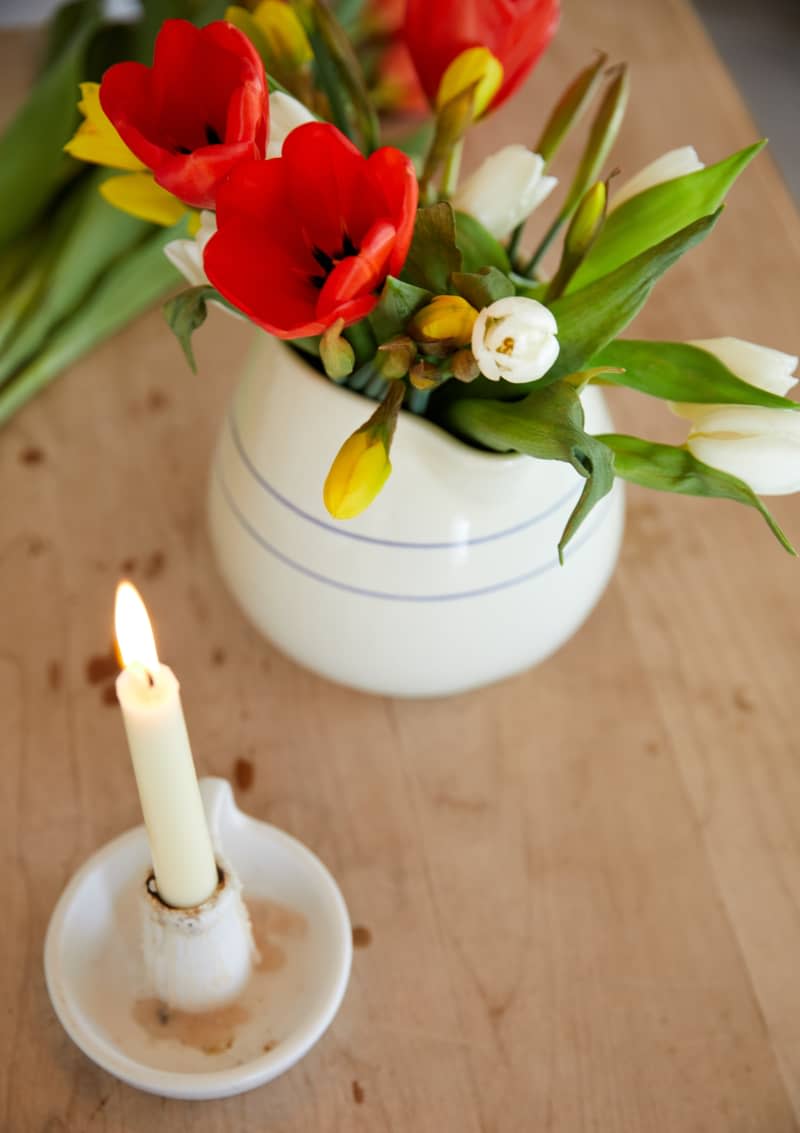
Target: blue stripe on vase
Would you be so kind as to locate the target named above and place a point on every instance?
(338, 529)
(388, 596)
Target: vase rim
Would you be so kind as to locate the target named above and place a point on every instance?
(424, 426)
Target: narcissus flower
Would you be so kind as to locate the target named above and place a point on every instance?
(516, 32)
(310, 237)
(197, 113)
(515, 339)
(447, 318)
(362, 466)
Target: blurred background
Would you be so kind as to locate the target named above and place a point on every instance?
(758, 39)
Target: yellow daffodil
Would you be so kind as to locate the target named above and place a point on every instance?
(276, 32)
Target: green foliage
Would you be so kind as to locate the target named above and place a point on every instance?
(667, 468)
(483, 287)
(479, 249)
(676, 371)
(186, 312)
(398, 302)
(657, 213)
(547, 424)
(433, 255)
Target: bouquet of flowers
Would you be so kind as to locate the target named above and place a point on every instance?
(402, 279)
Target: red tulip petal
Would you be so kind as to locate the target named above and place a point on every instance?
(261, 280)
(351, 311)
(397, 179)
(328, 185)
(197, 177)
(357, 275)
(257, 194)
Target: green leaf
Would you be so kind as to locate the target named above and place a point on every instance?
(64, 23)
(398, 302)
(478, 247)
(590, 318)
(32, 164)
(483, 287)
(96, 236)
(433, 254)
(676, 371)
(657, 213)
(132, 285)
(547, 424)
(186, 312)
(667, 468)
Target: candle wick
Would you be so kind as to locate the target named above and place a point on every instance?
(150, 678)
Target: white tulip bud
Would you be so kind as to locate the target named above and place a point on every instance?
(760, 446)
(505, 189)
(759, 366)
(676, 163)
(187, 255)
(515, 339)
(285, 114)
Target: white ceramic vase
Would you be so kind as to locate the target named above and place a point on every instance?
(450, 580)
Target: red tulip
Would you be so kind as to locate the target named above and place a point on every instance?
(309, 237)
(198, 112)
(515, 31)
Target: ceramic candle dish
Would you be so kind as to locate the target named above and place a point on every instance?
(95, 970)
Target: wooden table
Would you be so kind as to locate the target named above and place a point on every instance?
(580, 889)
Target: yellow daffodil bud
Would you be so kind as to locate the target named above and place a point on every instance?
(338, 356)
(395, 357)
(447, 318)
(96, 139)
(283, 32)
(477, 68)
(358, 473)
(362, 466)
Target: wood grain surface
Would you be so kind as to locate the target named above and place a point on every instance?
(577, 893)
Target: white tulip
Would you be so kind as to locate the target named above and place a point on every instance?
(285, 114)
(515, 339)
(760, 446)
(676, 163)
(759, 366)
(187, 255)
(505, 189)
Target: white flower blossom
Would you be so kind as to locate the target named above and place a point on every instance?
(675, 163)
(515, 339)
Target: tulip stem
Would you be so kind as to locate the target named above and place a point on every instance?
(549, 237)
(452, 169)
(513, 243)
(417, 401)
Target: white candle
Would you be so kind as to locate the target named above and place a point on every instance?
(180, 844)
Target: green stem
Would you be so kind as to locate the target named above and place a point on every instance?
(513, 243)
(330, 84)
(452, 169)
(417, 400)
(549, 237)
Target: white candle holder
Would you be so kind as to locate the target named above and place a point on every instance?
(171, 1010)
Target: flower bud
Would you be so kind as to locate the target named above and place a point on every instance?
(358, 473)
(446, 319)
(362, 465)
(759, 366)
(505, 189)
(760, 446)
(675, 163)
(583, 230)
(515, 339)
(478, 68)
(424, 375)
(338, 356)
(465, 368)
(285, 37)
(394, 358)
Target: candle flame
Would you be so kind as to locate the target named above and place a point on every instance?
(134, 632)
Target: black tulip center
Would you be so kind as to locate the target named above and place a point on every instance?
(328, 262)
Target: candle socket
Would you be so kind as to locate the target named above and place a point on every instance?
(199, 958)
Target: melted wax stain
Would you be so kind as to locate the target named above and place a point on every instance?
(214, 1032)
